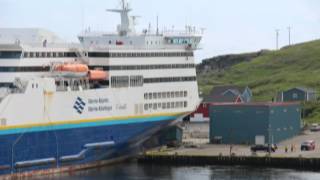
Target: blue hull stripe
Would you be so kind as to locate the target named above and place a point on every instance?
(86, 124)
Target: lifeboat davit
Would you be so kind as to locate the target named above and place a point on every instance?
(71, 70)
(97, 75)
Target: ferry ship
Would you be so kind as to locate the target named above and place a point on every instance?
(66, 107)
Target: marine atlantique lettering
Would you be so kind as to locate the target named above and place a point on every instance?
(98, 105)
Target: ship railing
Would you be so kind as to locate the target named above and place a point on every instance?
(52, 45)
(182, 33)
(133, 47)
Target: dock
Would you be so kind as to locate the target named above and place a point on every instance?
(300, 163)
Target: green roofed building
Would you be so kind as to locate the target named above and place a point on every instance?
(254, 123)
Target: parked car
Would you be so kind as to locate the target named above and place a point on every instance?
(265, 148)
(309, 145)
(315, 127)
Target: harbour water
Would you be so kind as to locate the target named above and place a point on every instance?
(135, 171)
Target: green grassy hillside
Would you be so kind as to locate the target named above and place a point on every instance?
(274, 71)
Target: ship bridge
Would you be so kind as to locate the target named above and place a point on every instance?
(127, 38)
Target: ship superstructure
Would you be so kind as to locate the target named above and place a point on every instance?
(80, 105)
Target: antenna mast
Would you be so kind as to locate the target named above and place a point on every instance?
(124, 28)
(157, 25)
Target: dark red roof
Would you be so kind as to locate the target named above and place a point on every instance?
(257, 104)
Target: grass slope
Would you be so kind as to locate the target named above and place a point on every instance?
(293, 66)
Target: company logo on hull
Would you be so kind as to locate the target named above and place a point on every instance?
(79, 105)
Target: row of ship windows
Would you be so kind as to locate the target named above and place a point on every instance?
(135, 81)
(165, 105)
(126, 81)
(138, 81)
(106, 68)
(170, 79)
(17, 54)
(147, 67)
(164, 95)
(140, 54)
(49, 54)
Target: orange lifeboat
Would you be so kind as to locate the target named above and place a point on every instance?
(72, 70)
(97, 75)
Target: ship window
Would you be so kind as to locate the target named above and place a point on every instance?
(168, 94)
(10, 54)
(48, 54)
(43, 54)
(172, 94)
(25, 55)
(164, 105)
(185, 104)
(145, 96)
(159, 95)
(110, 42)
(168, 105)
(155, 106)
(146, 107)
(136, 81)
(60, 54)
(185, 93)
(120, 81)
(172, 105)
(54, 54)
(164, 95)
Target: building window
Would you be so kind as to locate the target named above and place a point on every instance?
(295, 96)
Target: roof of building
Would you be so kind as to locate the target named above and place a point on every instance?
(256, 104)
(303, 89)
(218, 93)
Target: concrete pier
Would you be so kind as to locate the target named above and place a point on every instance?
(256, 161)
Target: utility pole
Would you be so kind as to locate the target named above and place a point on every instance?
(269, 139)
(289, 31)
(277, 39)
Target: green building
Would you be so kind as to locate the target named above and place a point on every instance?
(254, 123)
(297, 94)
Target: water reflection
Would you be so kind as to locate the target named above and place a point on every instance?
(134, 171)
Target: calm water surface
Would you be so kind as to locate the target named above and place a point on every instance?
(134, 171)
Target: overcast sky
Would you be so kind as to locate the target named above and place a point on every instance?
(232, 26)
